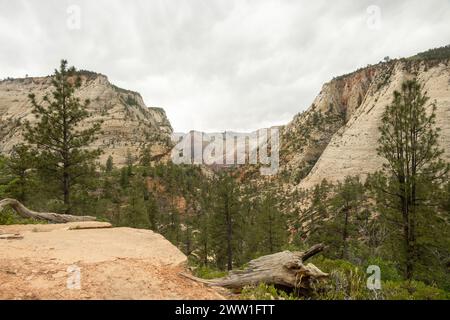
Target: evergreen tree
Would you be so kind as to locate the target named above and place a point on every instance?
(347, 204)
(446, 199)
(341, 212)
(226, 229)
(272, 227)
(4, 179)
(413, 168)
(251, 208)
(130, 163)
(203, 225)
(311, 220)
(109, 164)
(124, 177)
(19, 165)
(57, 138)
(145, 157)
(152, 212)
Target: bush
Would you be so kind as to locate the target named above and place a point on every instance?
(346, 282)
(265, 292)
(209, 273)
(389, 271)
(9, 217)
(349, 282)
(330, 265)
(414, 290)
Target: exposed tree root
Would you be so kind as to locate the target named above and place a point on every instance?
(47, 216)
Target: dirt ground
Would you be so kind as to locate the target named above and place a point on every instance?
(68, 261)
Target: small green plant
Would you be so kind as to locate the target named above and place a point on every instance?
(412, 290)
(9, 217)
(209, 273)
(389, 270)
(265, 292)
(344, 285)
(131, 101)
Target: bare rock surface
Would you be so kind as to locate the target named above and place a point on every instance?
(352, 150)
(129, 126)
(114, 263)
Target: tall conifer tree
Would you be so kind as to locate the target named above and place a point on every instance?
(58, 139)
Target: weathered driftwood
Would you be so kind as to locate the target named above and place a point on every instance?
(284, 269)
(47, 216)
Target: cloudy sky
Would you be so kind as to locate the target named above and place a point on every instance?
(217, 65)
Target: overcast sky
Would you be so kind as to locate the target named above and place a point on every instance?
(217, 65)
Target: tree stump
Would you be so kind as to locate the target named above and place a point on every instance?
(284, 269)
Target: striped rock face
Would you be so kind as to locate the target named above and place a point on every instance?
(128, 125)
(344, 139)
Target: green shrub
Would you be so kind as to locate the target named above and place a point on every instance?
(265, 292)
(349, 282)
(389, 271)
(344, 285)
(414, 290)
(209, 273)
(330, 265)
(9, 217)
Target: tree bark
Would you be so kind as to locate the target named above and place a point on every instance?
(47, 216)
(284, 269)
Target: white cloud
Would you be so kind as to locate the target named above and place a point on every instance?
(217, 64)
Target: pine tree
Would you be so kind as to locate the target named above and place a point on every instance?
(124, 178)
(340, 213)
(57, 138)
(152, 212)
(312, 219)
(347, 204)
(19, 165)
(4, 179)
(413, 168)
(446, 199)
(145, 157)
(130, 163)
(109, 164)
(203, 225)
(272, 227)
(226, 229)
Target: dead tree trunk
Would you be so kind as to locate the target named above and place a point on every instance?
(47, 216)
(284, 269)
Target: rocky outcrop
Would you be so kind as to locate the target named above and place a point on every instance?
(80, 262)
(338, 135)
(128, 125)
(352, 148)
(306, 137)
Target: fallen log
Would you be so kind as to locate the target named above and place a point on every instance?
(47, 216)
(284, 269)
(11, 237)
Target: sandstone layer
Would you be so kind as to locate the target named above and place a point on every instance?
(128, 127)
(63, 262)
(338, 135)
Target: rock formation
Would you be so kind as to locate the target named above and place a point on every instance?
(91, 260)
(128, 125)
(337, 136)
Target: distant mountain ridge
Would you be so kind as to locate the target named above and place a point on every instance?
(337, 136)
